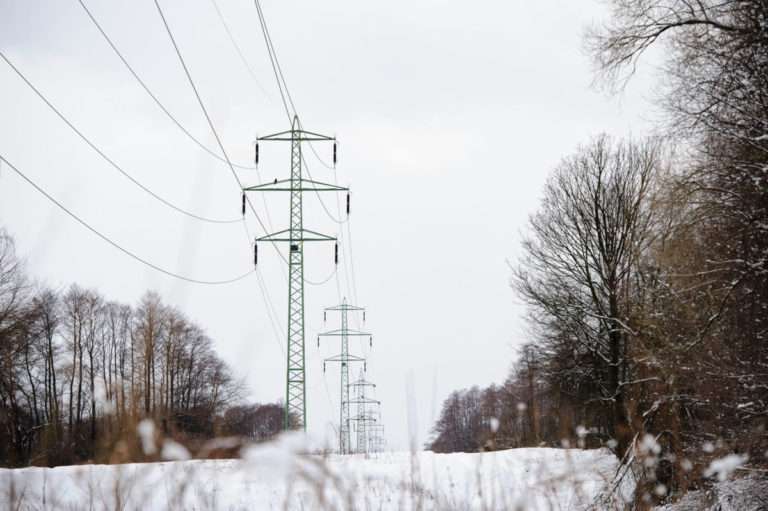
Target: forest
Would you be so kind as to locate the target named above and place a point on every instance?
(645, 269)
(78, 372)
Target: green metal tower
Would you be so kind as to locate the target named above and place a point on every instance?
(364, 418)
(345, 444)
(295, 235)
(376, 441)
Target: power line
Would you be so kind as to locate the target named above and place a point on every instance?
(282, 86)
(322, 162)
(153, 95)
(285, 91)
(265, 296)
(237, 48)
(210, 121)
(322, 281)
(272, 60)
(298, 366)
(197, 94)
(322, 202)
(275, 62)
(351, 261)
(221, 147)
(104, 156)
(114, 244)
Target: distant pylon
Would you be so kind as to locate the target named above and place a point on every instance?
(345, 444)
(375, 431)
(363, 419)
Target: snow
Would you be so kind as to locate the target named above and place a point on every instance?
(724, 467)
(279, 476)
(146, 431)
(748, 493)
(174, 451)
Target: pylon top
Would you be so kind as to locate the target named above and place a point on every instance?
(296, 133)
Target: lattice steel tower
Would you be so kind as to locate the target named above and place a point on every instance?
(295, 384)
(363, 418)
(345, 444)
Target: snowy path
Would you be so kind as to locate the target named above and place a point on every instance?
(273, 477)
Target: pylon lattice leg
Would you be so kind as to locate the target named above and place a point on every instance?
(295, 395)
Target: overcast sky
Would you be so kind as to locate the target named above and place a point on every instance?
(450, 116)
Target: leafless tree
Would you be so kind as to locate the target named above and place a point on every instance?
(585, 243)
(59, 351)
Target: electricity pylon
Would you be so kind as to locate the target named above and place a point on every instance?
(376, 437)
(295, 235)
(345, 444)
(363, 419)
(375, 431)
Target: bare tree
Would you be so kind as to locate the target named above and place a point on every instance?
(711, 274)
(57, 352)
(585, 244)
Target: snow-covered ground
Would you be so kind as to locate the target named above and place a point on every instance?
(744, 494)
(276, 476)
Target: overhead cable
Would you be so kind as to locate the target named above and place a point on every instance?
(104, 156)
(113, 243)
(153, 95)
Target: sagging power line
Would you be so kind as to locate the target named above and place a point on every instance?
(152, 95)
(103, 155)
(113, 243)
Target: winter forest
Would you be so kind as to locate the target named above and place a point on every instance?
(640, 380)
(80, 371)
(645, 268)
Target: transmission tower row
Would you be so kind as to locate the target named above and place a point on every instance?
(364, 418)
(367, 428)
(345, 359)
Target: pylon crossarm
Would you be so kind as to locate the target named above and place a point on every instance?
(366, 401)
(363, 418)
(345, 308)
(348, 332)
(362, 383)
(306, 235)
(284, 185)
(299, 134)
(342, 358)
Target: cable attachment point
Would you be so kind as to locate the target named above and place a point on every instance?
(334, 154)
(255, 253)
(243, 204)
(256, 155)
(347, 203)
(336, 253)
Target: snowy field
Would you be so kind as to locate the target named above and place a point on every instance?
(276, 476)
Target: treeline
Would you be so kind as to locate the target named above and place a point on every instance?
(645, 269)
(78, 372)
(524, 411)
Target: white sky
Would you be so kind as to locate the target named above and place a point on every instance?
(450, 116)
